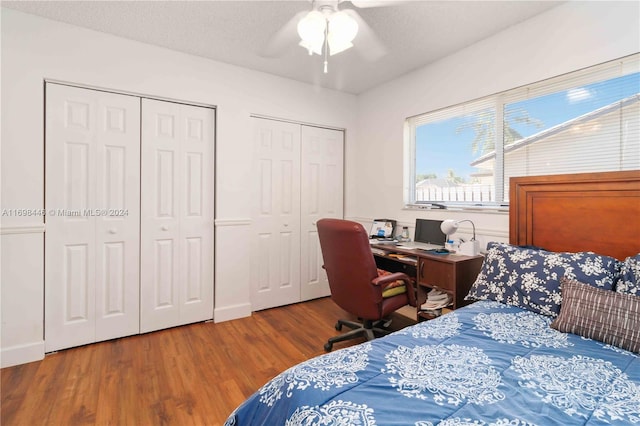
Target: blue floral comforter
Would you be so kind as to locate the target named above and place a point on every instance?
(485, 364)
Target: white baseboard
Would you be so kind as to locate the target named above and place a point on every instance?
(228, 313)
(21, 354)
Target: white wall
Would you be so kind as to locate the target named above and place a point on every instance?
(571, 36)
(35, 49)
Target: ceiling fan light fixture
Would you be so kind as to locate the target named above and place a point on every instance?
(312, 47)
(342, 30)
(311, 30)
(337, 46)
(342, 27)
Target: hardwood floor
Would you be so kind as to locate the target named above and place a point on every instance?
(195, 374)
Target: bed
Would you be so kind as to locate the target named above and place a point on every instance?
(551, 340)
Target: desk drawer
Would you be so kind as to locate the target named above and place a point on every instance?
(437, 274)
(392, 265)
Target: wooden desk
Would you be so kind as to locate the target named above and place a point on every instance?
(452, 273)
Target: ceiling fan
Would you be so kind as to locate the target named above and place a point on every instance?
(327, 30)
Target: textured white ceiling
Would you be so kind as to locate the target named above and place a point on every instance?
(415, 33)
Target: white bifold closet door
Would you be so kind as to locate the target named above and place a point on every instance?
(298, 180)
(129, 199)
(275, 260)
(177, 213)
(322, 197)
(92, 198)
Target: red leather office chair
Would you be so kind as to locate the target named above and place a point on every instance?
(354, 281)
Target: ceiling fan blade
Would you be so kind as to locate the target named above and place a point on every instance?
(376, 3)
(282, 40)
(366, 42)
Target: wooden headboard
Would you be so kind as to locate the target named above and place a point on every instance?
(597, 212)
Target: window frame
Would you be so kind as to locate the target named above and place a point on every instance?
(498, 101)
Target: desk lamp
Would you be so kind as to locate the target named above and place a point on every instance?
(469, 248)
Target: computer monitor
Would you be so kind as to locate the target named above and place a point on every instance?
(428, 231)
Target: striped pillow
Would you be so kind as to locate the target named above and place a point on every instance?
(603, 315)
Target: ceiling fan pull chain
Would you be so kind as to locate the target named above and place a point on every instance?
(326, 48)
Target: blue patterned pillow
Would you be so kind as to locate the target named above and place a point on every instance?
(530, 278)
(629, 281)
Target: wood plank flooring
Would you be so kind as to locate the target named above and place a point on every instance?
(190, 375)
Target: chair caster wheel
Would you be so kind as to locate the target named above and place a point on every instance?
(338, 327)
(328, 347)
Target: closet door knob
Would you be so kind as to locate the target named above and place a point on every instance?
(165, 227)
(113, 230)
(286, 224)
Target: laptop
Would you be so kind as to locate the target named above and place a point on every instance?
(428, 236)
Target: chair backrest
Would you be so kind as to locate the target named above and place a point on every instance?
(350, 267)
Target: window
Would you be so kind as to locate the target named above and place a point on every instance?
(585, 121)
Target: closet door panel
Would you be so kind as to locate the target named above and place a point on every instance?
(117, 219)
(78, 268)
(77, 293)
(196, 214)
(159, 227)
(275, 260)
(177, 214)
(322, 197)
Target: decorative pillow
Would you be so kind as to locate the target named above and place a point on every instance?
(395, 288)
(530, 278)
(629, 282)
(603, 315)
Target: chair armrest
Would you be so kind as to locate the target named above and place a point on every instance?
(385, 280)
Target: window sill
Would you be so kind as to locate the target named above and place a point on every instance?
(488, 208)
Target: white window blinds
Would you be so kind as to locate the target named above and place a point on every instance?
(584, 121)
(587, 121)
